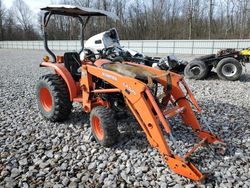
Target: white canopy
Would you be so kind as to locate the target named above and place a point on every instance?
(78, 11)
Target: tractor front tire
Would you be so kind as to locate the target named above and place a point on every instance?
(104, 126)
(53, 97)
(196, 69)
(229, 69)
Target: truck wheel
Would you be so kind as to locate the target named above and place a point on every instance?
(103, 126)
(53, 97)
(196, 69)
(229, 69)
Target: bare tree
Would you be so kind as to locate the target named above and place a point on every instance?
(10, 27)
(211, 4)
(139, 19)
(2, 13)
(82, 3)
(190, 18)
(243, 11)
(23, 14)
(24, 19)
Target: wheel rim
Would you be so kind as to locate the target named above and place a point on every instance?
(195, 70)
(46, 99)
(229, 70)
(97, 127)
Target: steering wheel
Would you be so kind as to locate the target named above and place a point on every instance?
(109, 52)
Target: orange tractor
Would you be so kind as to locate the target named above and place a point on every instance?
(104, 87)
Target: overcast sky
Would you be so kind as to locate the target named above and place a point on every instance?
(33, 4)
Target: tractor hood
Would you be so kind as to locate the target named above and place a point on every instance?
(69, 10)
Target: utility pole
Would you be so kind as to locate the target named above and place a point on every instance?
(210, 18)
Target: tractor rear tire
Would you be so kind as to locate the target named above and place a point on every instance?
(196, 69)
(104, 126)
(53, 97)
(229, 69)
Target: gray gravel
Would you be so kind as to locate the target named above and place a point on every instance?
(37, 153)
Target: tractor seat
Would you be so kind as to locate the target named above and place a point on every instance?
(72, 62)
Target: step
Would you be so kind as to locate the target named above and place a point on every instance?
(173, 111)
(195, 148)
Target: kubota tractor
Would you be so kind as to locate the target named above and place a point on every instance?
(104, 87)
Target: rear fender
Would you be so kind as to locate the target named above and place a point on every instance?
(64, 73)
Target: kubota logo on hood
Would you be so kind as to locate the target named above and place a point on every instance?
(112, 77)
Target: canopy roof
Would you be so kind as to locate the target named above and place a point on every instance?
(70, 10)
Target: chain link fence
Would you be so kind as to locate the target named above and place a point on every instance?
(158, 47)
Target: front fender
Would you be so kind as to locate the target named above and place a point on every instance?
(65, 74)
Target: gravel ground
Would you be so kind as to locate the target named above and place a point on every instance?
(38, 153)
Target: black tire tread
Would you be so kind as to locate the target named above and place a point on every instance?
(201, 64)
(59, 90)
(230, 60)
(108, 123)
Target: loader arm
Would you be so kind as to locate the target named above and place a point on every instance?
(149, 115)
